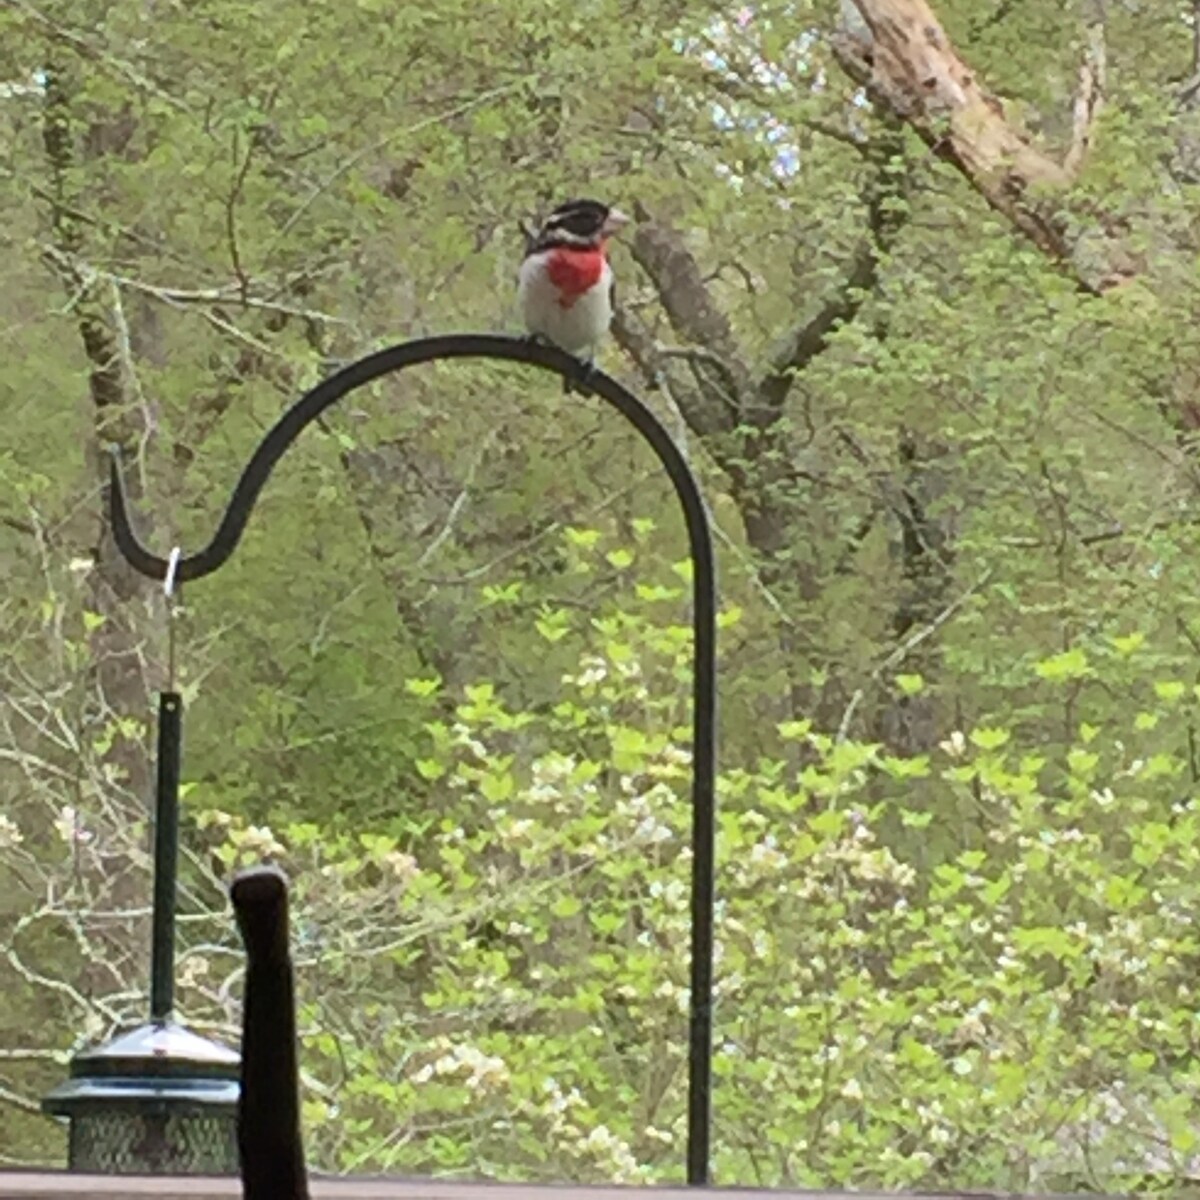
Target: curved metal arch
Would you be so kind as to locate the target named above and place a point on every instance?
(469, 345)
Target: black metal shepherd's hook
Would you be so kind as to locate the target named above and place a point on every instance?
(423, 350)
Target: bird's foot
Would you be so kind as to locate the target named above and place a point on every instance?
(582, 385)
(588, 369)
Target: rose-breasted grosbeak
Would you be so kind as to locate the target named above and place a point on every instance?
(565, 286)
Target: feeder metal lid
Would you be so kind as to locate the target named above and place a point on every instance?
(159, 1050)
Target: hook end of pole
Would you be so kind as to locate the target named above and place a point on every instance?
(126, 539)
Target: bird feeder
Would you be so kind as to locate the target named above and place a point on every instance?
(159, 1100)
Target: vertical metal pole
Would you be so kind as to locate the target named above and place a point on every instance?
(704, 768)
(166, 856)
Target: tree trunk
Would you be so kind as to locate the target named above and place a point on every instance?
(117, 706)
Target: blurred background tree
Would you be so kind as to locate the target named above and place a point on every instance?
(914, 287)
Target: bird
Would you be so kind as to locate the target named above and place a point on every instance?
(565, 284)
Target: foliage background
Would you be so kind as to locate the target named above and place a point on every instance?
(444, 682)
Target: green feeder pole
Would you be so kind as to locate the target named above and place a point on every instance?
(158, 1100)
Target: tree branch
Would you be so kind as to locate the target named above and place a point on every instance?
(180, 297)
(107, 381)
(1089, 96)
(742, 90)
(800, 345)
(85, 48)
(19, 526)
(660, 250)
(709, 416)
(238, 183)
(910, 67)
(906, 647)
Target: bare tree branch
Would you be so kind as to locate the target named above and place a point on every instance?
(15, 523)
(705, 418)
(179, 296)
(8, 1096)
(1089, 96)
(906, 647)
(237, 184)
(886, 213)
(744, 91)
(662, 252)
(910, 67)
(83, 46)
(798, 347)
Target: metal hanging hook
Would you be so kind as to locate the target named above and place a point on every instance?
(179, 568)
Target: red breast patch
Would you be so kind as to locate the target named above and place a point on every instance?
(573, 271)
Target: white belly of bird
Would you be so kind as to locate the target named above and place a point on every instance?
(576, 328)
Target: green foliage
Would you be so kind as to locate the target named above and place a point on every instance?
(445, 678)
(504, 989)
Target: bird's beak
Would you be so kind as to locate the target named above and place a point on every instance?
(614, 222)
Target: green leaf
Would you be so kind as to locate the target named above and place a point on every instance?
(794, 731)
(422, 687)
(990, 739)
(497, 788)
(657, 592)
(583, 538)
(553, 626)
(729, 616)
(1072, 664)
(1082, 762)
(430, 768)
(1129, 644)
(1169, 689)
(629, 748)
